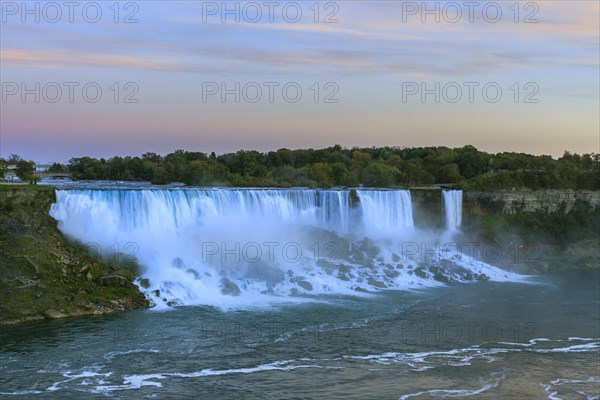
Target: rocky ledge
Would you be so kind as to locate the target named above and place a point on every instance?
(524, 201)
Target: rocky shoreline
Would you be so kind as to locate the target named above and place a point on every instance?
(45, 276)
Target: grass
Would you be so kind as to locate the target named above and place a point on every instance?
(24, 186)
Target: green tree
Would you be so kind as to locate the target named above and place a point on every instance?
(321, 173)
(25, 171)
(14, 159)
(56, 167)
(449, 173)
(3, 168)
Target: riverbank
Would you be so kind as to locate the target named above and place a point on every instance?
(45, 276)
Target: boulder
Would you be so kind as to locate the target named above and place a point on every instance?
(229, 288)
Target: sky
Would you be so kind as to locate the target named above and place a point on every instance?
(106, 78)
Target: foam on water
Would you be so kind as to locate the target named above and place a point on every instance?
(249, 247)
(100, 378)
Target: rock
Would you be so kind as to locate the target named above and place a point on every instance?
(84, 269)
(391, 273)
(420, 272)
(376, 283)
(343, 277)
(89, 277)
(145, 283)
(193, 272)
(54, 314)
(304, 285)
(229, 288)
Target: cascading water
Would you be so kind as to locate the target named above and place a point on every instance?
(386, 211)
(240, 247)
(453, 208)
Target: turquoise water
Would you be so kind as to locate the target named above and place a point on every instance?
(485, 340)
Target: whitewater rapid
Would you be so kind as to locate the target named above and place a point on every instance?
(246, 247)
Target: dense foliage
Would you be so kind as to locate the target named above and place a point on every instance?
(338, 166)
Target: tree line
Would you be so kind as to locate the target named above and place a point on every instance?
(335, 166)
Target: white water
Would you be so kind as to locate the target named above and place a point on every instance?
(385, 211)
(453, 208)
(244, 247)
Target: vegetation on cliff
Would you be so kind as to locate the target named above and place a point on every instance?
(43, 275)
(545, 241)
(338, 166)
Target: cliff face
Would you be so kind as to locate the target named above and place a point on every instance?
(515, 202)
(43, 275)
(560, 229)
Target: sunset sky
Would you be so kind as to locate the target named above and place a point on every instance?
(178, 53)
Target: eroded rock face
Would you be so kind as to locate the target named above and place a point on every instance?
(512, 202)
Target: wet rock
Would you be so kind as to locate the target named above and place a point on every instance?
(193, 272)
(344, 268)
(145, 283)
(438, 275)
(229, 288)
(376, 283)
(304, 285)
(391, 274)
(54, 314)
(420, 272)
(343, 277)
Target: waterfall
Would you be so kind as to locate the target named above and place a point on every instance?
(453, 208)
(386, 210)
(244, 247)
